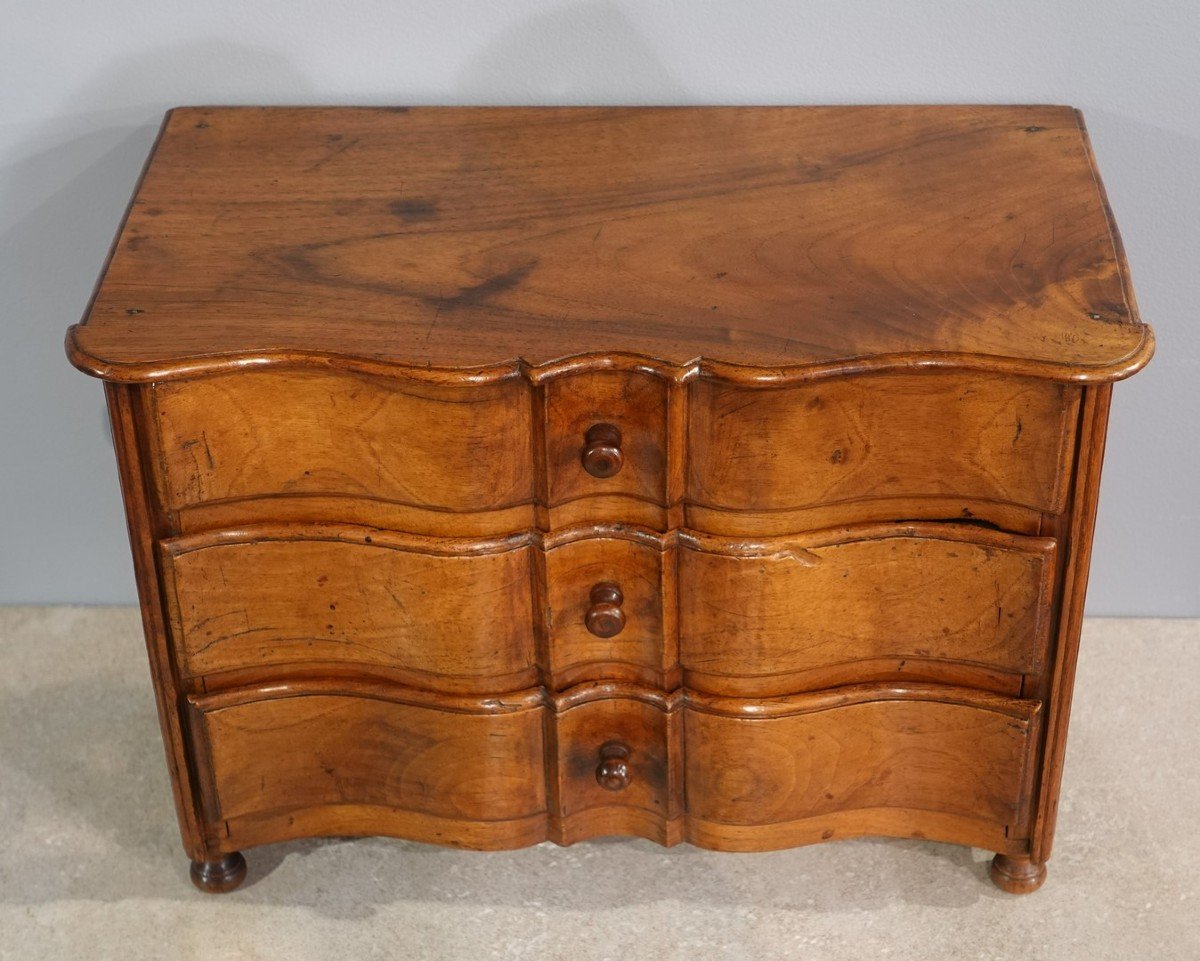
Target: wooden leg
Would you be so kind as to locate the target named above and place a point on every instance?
(221, 874)
(1017, 875)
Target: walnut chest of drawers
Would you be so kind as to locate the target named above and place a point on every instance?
(712, 475)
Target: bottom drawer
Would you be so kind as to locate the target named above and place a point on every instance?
(343, 758)
(921, 760)
(618, 764)
(317, 758)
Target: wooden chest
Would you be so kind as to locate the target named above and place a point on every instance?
(712, 475)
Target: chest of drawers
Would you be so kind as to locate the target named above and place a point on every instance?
(713, 475)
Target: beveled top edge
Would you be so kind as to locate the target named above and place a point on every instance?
(679, 373)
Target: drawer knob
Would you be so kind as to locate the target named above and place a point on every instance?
(612, 773)
(602, 455)
(605, 618)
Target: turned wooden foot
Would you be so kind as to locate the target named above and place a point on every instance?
(1017, 875)
(219, 875)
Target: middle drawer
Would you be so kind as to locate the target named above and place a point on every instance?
(451, 614)
(926, 601)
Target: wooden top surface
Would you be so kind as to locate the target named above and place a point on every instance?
(757, 241)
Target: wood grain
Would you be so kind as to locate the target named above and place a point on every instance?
(322, 747)
(762, 238)
(637, 652)
(889, 435)
(1057, 685)
(652, 797)
(971, 445)
(759, 617)
(635, 403)
(911, 754)
(787, 605)
(920, 824)
(332, 758)
(146, 523)
(444, 612)
(312, 432)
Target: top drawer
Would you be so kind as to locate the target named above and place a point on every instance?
(886, 435)
(870, 439)
(333, 433)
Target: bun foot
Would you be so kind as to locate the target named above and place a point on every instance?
(1017, 875)
(220, 875)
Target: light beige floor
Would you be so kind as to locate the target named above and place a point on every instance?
(91, 867)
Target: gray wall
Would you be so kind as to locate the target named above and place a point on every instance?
(83, 86)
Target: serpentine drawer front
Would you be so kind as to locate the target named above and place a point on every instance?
(720, 475)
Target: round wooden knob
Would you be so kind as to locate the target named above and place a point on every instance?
(602, 455)
(605, 617)
(613, 772)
